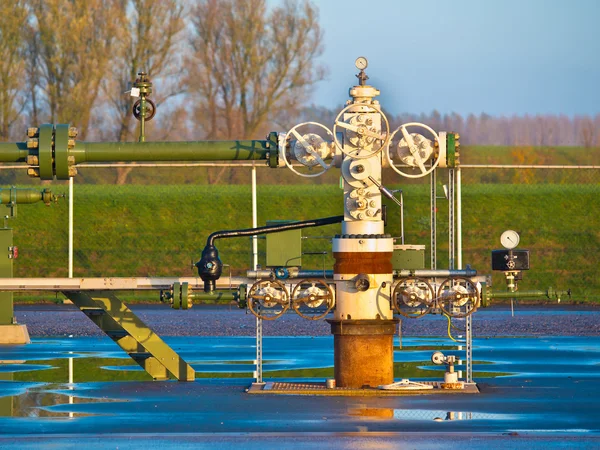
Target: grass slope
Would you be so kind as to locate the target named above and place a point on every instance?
(160, 230)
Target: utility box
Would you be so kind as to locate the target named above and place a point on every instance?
(510, 260)
(284, 249)
(408, 257)
(7, 254)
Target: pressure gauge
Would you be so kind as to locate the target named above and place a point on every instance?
(361, 63)
(509, 239)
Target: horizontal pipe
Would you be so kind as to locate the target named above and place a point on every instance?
(109, 284)
(523, 166)
(421, 273)
(216, 295)
(13, 152)
(293, 274)
(518, 294)
(428, 273)
(20, 196)
(170, 151)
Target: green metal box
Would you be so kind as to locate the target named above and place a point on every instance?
(284, 249)
(408, 257)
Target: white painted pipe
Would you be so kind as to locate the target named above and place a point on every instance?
(458, 220)
(71, 227)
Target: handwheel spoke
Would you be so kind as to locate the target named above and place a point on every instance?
(348, 126)
(414, 151)
(318, 158)
(373, 134)
(300, 139)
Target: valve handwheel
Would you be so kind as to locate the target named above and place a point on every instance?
(364, 133)
(413, 297)
(268, 299)
(150, 110)
(417, 150)
(310, 149)
(312, 294)
(458, 292)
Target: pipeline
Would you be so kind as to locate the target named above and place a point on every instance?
(272, 228)
(210, 266)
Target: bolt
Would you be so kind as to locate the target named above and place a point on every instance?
(33, 143)
(33, 160)
(73, 132)
(361, 216)
(72, 171)
(372, 204)
(33, 132)
(359, 169)
(370, 213)
(35, 173)
(456, 136)
(71, 143)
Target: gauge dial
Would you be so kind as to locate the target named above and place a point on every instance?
(509, 239)
(361, 63)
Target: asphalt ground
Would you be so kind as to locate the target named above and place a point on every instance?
(534, 320)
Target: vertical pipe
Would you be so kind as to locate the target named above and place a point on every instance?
(402, 216)
(433, 215)
(259, 377)
(458, 220)
(70, 227)
(254, 220)
(451, 220)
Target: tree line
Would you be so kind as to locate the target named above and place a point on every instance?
(221, 69)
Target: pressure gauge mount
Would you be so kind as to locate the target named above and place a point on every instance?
(509, 239)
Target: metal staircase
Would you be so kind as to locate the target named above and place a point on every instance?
(144, 346)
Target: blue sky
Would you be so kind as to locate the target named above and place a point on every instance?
(501, 57)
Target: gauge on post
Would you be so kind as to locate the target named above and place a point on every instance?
(509, 239)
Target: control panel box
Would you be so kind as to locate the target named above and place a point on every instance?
(510, 260)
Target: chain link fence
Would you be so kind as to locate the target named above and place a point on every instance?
(157, 223)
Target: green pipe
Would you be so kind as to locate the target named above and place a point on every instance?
(519, 294)
(216, 296)
(24, 196)
(169, 151)
(13, 151)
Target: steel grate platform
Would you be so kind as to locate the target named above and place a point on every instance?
(293, 388)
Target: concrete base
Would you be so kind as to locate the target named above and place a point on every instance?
(14, 334)
(363, 352)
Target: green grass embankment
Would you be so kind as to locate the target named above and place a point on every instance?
(160, 230)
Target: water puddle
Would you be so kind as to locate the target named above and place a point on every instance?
(425, 414)
(41, 402)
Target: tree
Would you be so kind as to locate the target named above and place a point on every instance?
(151, 35)
(75, 40)
(251, 64)
(13, 65)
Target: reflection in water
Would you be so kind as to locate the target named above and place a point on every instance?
(36, 404)
(422, 414)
